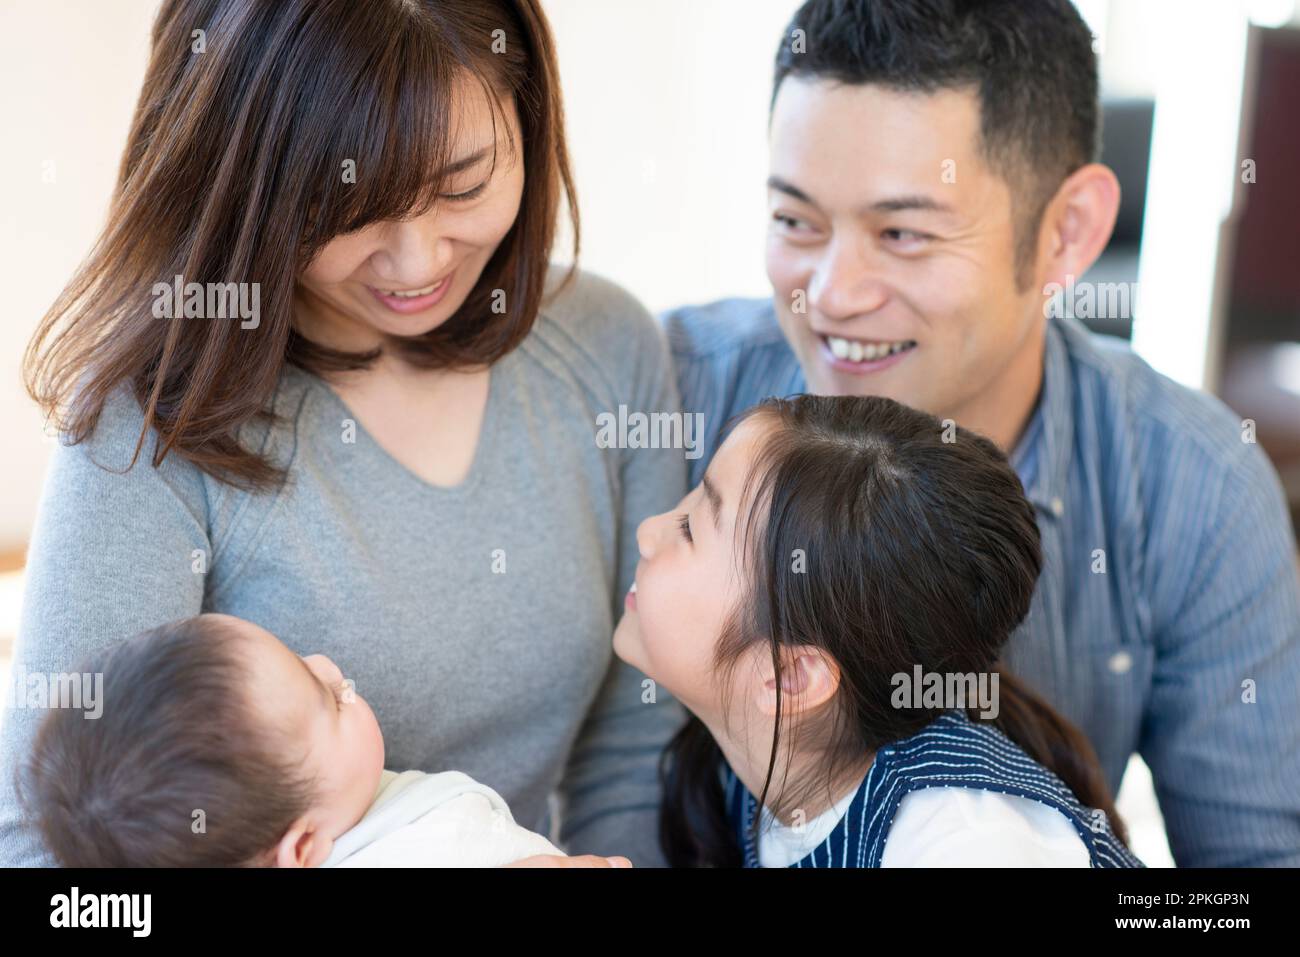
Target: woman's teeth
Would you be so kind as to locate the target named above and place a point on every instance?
(856, 351)
(413, 293)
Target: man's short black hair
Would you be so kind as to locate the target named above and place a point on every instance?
(1031, 63)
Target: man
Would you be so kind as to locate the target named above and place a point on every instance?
(932, 176)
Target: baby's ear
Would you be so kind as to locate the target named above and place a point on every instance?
(303, 845)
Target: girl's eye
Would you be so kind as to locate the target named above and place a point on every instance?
(467, 195)
(786, 222)
(684, 523)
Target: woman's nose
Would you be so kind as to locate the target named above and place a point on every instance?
(416, 252)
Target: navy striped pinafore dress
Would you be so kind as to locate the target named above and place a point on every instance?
(951, 751)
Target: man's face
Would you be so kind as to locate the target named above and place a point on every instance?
(891, 252)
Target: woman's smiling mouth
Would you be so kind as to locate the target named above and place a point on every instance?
(407, 301)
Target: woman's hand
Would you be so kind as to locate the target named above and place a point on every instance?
(560, 860)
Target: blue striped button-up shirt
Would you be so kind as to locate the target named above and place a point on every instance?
(1166, 620)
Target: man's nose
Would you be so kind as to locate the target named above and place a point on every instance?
(845, 282)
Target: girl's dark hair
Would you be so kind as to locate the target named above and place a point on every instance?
(176, 743)
(918, 548)
(234, 173)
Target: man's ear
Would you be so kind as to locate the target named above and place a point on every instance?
(303, 845)
(1077, 223)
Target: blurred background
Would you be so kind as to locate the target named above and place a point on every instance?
(667, 109)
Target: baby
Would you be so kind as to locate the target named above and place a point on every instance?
(218, 746)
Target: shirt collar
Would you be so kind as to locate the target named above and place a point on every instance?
(1049, 435)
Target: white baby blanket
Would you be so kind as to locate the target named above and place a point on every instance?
(436, 820)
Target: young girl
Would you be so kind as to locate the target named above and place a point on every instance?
(836, 547)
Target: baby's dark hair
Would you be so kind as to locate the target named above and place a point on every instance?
(918, 548)
(176, 771)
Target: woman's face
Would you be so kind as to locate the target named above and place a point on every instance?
(406, 277)
(688, 580)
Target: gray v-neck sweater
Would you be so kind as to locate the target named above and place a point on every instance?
(476, 619)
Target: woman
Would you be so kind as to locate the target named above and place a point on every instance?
(382, 447)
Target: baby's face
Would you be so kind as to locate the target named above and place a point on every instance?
(309, 700)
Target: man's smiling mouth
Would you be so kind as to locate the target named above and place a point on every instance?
(867, 353)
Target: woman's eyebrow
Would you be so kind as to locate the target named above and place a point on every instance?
(715, 501)
(460, 165)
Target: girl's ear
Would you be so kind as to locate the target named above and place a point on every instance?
(809, 678)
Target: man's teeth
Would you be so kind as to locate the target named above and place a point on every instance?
(411, 294)
(633, 588)
(856, 351)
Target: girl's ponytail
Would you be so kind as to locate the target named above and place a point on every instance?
(1051, 740)
(693, 827)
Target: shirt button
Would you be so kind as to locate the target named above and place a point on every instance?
(1058, 507)
(1121, 662)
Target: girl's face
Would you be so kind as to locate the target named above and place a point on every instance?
(687, 582)
(309, 701)
(406, 277)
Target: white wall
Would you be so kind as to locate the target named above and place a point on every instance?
(70, 71)
(667, 117)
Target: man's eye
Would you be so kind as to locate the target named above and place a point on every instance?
(684, 523)
(903, 235)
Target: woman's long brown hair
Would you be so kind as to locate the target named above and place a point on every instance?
(918, 551)
(234, 173)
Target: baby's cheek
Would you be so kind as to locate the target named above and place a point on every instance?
(376, 747)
